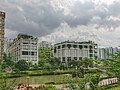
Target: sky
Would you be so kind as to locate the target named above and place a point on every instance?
(60, 20)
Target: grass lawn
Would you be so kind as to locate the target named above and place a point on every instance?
(115, 88)
(65, 78)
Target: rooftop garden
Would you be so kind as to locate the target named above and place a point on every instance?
(84, 42)
(25, 36)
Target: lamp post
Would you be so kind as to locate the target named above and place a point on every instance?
(28, 80)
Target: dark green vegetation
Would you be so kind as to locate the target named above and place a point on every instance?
(22, 65)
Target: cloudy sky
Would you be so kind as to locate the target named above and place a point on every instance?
(59, 20)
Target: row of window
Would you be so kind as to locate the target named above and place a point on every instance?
(75, 46)
(29, 53)
(26, 47)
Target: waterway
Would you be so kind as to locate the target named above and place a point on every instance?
(41, 79)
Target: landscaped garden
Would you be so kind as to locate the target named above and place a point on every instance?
(79, 75)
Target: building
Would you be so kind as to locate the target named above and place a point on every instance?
(44, 50)
(68, 51)
(6, 44)
(24, 47)
(103, 53)
(45, 44)
(2, 27)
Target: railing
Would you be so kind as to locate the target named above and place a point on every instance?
(108, 81)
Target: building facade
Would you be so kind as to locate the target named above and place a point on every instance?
(68, 51)
(2, 27)
(24, 47)
(103, 53)
(45, 44)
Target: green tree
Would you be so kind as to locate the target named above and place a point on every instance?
(85, 63)
(94, 80)
(112, 65)
(22, 65)
(55, 63)
(7, 61)
(44, 53)
(30, 64)
(0, 67)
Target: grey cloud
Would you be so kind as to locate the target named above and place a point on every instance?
(38, 19)
(41, 18)
(82, 13)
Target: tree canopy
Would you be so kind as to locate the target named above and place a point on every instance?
(22, 65)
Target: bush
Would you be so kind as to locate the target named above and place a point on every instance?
(78, 74)
(50, 83)
(49, 87)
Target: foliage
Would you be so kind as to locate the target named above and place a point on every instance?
(94, 80)
(77, 84)
(44, 55)
(49, 87)
(73, 86)
(90, 81)
(22, 65)
(30, 64)
(113, 64)
(85, 62)
(7, 61)
(55, 63)
(48, 62)
(4, 85)
(79, 73)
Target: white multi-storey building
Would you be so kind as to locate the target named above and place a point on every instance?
(68, 51)
(24, 47)
(103, 53)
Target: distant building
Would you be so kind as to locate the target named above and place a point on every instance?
(24, 47)
(103, 53)
(6, 44)
(45, 44)
(2, 27)
(68, 51)
(44, 50)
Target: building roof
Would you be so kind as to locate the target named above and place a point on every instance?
(2, 14)
(85, 42)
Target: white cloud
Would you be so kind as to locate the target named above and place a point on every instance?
(20, 8)
(10, 33)
(64, 19)
(107, 2)
(83, 33)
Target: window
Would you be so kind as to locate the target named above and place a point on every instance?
(33, 53)
(85, 46)
(80, 58)
(63, 59)
(24, 52)
(63, 46)
(74, 46)
(58, 47)
(75, 58)
(80, 46)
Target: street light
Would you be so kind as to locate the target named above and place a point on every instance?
(28, 80)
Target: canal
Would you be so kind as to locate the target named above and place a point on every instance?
(41, 79)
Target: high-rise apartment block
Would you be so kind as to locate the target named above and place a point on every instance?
(103, 53)
(2, 26)
(24, 47)
(68, 51)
